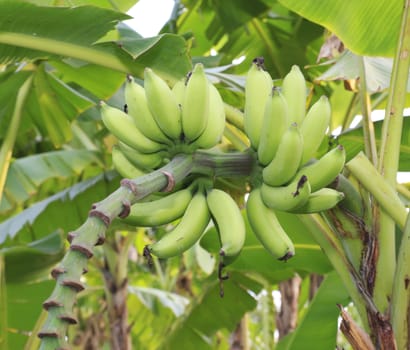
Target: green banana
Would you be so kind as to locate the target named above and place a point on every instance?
(142, 160)
(314, 126)
(122, 126)
(294, 91)
(267, 228)
(187, 232)
(195, 106)
(321, 200)
(179, 91)
(322, 172)
(216, 121)
(161, 211)
(228, 220)
(287, 198)
(139, 111)
(286, 161)
(258, 87)
(163, 105)
(275, 122)
(124, 167)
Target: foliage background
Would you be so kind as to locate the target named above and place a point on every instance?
(61, 162)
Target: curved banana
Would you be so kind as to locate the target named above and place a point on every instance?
(321, 200)
(275, 122)
(286, 161)
(228, 220)
(267, 228)
(258, 87)
(138, 110)
(322, 172)
(163, 105)
(287, 198)
(195, 107)
(124, 167)
(314, 126)
(161, 211)
(187, 232)
(294, 91)
(216, 121)
(142, 160)
(122, 126)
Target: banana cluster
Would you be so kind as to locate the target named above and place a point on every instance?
(192, 209)
(286, 140)
(158, 121)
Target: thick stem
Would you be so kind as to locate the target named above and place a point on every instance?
(400, 304)
(8, 142)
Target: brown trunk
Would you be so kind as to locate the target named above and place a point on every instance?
(286, 319)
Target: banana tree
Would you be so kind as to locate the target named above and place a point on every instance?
(61, 77)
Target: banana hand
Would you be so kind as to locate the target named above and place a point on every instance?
(267, 228)
(148, 161)
(186, 233)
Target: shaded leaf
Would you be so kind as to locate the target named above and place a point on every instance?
(147, 296)
(211, 313)
(367, 20)
(32, 262)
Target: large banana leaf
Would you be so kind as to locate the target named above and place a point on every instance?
(366, 27)
(118, 5)
(37, 32)
(66, 210)
(29, 175)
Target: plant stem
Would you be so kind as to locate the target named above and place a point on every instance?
(11, 135)
(400, 303)
(364, 171)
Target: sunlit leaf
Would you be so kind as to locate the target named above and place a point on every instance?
(361, 25)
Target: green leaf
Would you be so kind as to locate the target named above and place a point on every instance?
(212, 313)
(24, 302)
(53, 32)
(176, 303)
(361, 25)
(65, 210)
(32, 262)
(319, 324)
(352, 140)
(27, 175)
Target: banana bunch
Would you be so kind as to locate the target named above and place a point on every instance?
(286, 140)
(159, 122)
